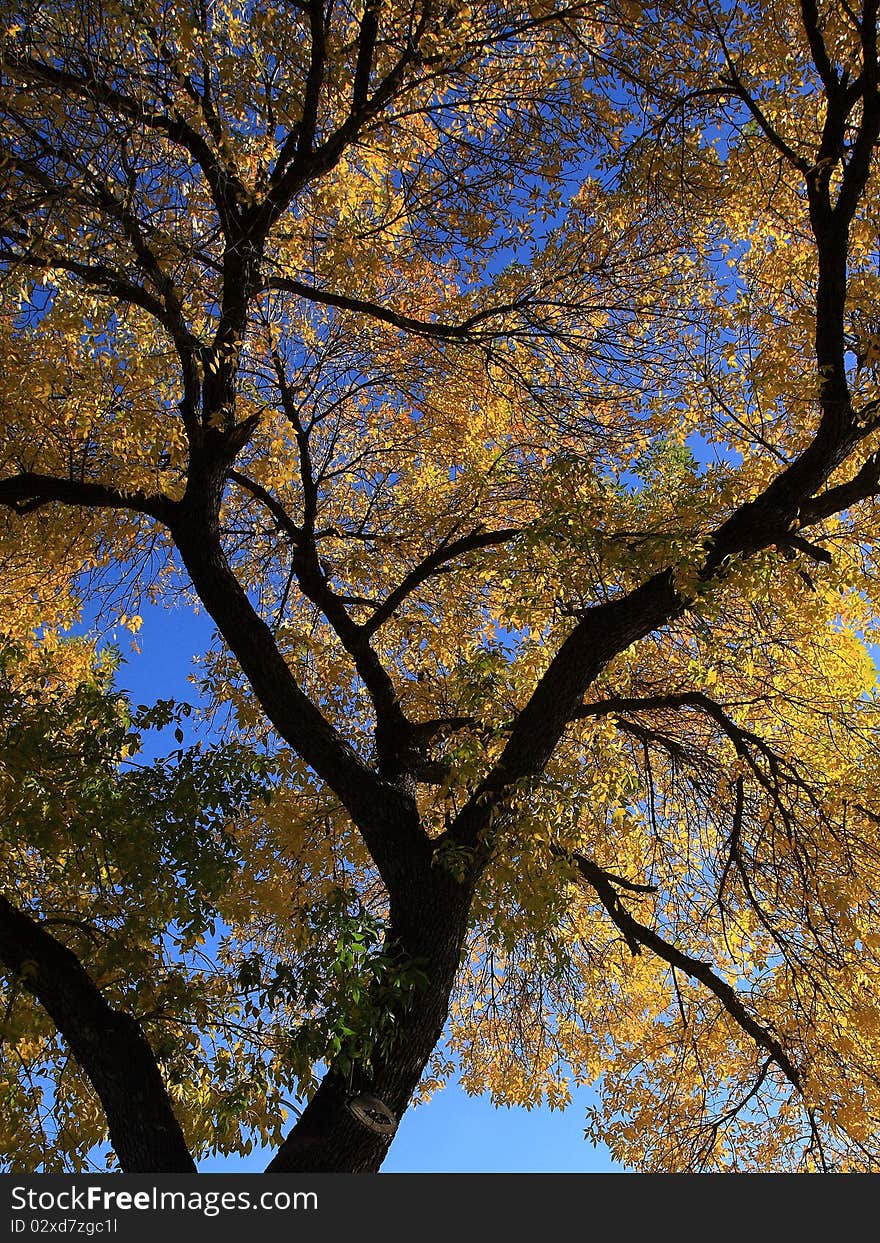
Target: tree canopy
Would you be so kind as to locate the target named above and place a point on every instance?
(502, 380)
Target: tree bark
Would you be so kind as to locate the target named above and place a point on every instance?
(110, 1047)
(385, 815)
(428, 926)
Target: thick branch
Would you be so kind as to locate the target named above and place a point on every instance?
(863, 485)
(314, 80)
(637, 934)
(385, 815)
(387, 315)
(366, 47)
(818, 50)
(109, 1046)
(29, 491)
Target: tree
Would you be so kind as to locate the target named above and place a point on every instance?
(502, 380)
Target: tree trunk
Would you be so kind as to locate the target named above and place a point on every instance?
(428, 926)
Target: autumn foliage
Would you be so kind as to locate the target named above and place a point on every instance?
(504, 382)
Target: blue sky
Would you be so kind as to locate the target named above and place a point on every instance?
(452, 1133)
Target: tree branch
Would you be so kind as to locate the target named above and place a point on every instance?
(29, 490)
(863, 485)
(90, 86)
(445, 553)
(818, 50)
(366, 46)
(638, 935)
(109, 1046)
(386, 315)
(385, 815)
